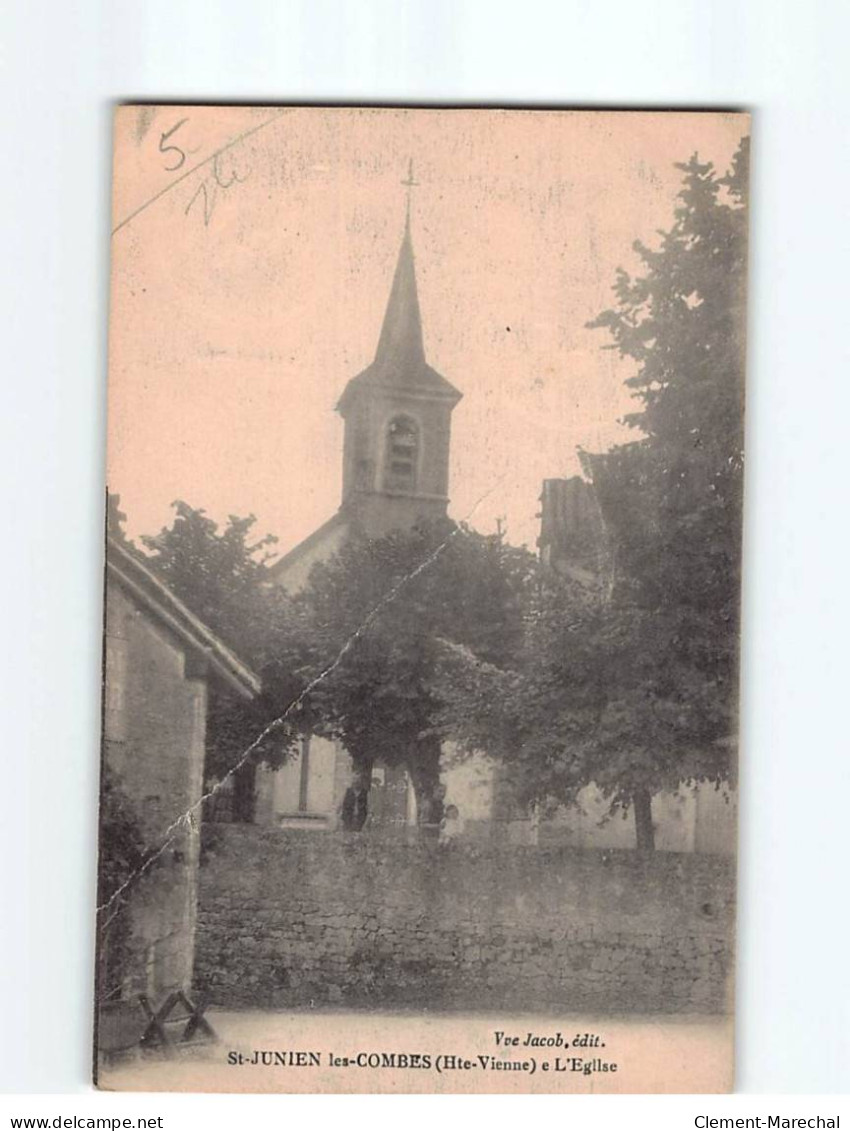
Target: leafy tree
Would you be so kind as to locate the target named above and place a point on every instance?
(221, 576)
(518, 712)
(631, 683)
(115, 519)
(673, 499)
(381, 696)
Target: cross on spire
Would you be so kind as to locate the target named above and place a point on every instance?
(409, 184)
(410, 181)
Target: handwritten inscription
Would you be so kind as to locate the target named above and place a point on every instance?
(216, 176)
(178, 161)
(172, 153)
(213, 185)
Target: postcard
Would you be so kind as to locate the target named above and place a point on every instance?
(422, 583)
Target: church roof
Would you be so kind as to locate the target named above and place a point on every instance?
(400, 357)
(278, 570)
(401, 333)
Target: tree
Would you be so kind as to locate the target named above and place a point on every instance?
(631, 683)
(115, 519)
(381, 695)
(221, 576)
(673, 499)
(555, 718)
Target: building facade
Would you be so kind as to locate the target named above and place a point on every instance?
(161, 665)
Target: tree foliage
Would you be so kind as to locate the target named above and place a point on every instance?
(673, 500)
(631, 683)
(378, 613)
(221, 575)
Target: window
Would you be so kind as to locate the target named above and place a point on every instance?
(402, 453)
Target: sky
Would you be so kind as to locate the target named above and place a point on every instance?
(249, 287)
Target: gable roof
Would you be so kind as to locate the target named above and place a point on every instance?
(293, 556)
(130, 572)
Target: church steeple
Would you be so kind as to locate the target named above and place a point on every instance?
(400, 347)
(397, 416)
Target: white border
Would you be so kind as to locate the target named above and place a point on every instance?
(63, 65)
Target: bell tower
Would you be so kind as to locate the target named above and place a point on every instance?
(397, 415)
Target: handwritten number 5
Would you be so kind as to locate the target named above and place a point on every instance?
(163, 148)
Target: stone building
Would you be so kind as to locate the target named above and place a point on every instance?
(572, 533)
(161, 666)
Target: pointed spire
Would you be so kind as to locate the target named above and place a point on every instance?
(400, 357)
(401, 350)
(410, 183)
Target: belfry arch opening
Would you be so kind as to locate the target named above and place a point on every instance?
(401, 457)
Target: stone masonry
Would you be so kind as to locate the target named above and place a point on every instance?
(297, 918)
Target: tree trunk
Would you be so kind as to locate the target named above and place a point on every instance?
(642, 801)
(243, 797)
(355, 804)
(423, 765)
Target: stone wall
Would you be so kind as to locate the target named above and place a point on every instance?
(291, 918)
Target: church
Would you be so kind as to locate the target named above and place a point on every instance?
(397, 416)
(395, 471)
